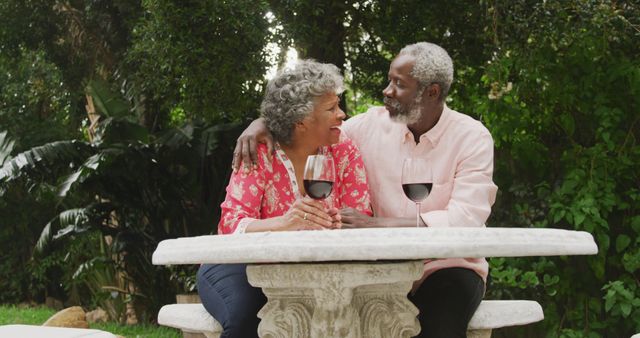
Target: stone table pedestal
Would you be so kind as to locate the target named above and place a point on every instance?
(337, 299)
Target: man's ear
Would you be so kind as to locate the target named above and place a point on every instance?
(432, 92)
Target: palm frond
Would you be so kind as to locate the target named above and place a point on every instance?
(74, 221)
(176, 137)
(6, 146)
(45, 160)
(80, 175)
(66, 222)
(120, 131)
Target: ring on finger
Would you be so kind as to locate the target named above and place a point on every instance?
(305, 216)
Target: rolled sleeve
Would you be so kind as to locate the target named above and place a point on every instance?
(473, 191)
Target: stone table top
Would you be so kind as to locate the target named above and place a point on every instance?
(373, 244)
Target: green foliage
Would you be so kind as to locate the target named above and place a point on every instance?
(34, 104)
(135, 188)
(562, 105)
(205, 57)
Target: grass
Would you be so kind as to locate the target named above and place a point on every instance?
(10, 314)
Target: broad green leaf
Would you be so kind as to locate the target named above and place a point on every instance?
(609, 301)
(631, 261)
(622, 242)
(106, 101)
(626, 309)
(635, 224)
(567, 123)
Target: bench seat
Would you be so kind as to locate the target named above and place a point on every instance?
(491, 314)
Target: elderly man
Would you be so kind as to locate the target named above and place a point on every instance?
(416, 122)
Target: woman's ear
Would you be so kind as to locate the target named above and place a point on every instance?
(300, 127)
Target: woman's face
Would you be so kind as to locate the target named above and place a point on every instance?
(323, 124)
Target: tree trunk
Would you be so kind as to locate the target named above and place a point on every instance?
(317, 29)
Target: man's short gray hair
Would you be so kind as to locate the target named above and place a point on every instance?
(291, 94)
(432, 65)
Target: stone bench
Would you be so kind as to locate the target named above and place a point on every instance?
(491, 314)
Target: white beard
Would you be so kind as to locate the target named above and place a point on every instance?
(407, 117)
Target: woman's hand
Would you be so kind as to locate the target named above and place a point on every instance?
(308, 214)
(246, 145)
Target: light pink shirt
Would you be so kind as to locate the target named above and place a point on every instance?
(459, 151)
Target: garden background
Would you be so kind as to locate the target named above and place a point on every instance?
(118, 118)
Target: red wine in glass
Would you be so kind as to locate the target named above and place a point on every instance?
(417, 192)
(416, 181)
(319, 176)
(318, 189)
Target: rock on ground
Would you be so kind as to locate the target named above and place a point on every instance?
(70, 317)
(97, 316)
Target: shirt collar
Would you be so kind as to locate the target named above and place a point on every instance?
(435, 133)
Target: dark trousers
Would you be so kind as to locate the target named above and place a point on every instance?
(447, 300)
(230, 299)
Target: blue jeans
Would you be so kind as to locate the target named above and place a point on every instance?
(230, 299)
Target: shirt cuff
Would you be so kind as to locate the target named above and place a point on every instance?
(437, 218)
(243, 224)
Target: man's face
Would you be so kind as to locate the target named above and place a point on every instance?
(402, 97)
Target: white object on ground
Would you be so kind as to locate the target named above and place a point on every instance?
(190, 318)
(28, 331)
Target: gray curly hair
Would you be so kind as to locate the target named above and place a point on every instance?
(433, 65)
(291, 94)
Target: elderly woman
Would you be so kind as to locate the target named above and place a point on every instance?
(301, 111)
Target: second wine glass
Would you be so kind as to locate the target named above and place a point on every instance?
(319, 176)
(416, 182)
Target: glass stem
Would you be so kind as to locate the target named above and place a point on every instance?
(417, 214)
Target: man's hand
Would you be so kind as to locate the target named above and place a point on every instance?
(352, 218)
(336, 218)
(245, 151)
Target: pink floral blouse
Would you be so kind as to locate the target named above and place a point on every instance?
(270, 190)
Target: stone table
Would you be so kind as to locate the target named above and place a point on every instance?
(354, 282)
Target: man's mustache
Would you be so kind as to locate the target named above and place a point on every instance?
(391, 102)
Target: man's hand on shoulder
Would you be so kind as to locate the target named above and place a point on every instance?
(246, 152)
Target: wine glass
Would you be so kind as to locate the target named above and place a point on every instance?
(319, 176)
(416, 182)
